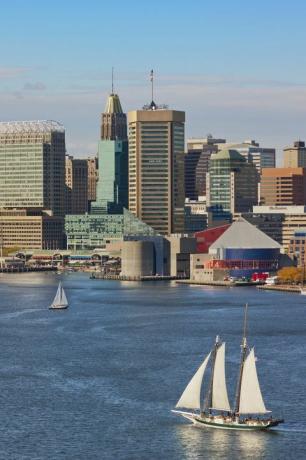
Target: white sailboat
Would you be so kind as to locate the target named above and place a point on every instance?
(216, 411)
(60, 301)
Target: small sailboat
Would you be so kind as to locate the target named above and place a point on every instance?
(216, 411)
(60, 301)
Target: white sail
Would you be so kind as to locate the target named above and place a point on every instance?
(60, 299)
(251, 401)
(219, 390)
(64, 300)
(191, 398)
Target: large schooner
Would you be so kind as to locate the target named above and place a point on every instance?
(249, 409)
(60, 301)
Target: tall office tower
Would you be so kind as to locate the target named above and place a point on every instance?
(92, 167)
(112, 186)
(283, 186)
(232, 184)
(156, 167)
(113, 120)
(197, 158)
(32, 165)
(295, 157)
(76, 185)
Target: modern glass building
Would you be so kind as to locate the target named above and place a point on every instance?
(91, 231)
(232, 185)
(156, 167)
(32, 165)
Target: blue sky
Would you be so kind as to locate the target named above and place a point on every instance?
(238, 68)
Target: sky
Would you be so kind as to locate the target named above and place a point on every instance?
(237, 68)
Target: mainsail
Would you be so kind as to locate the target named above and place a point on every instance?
(251, 401)
(60, 298)
(219, 391)
(191, 398)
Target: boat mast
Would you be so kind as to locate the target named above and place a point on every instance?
(243, 357)
(208, 399)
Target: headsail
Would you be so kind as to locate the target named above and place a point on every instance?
(219, 390)
(191, 397)
(251, 401)
(64, 300)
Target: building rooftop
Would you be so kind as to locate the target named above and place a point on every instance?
(113, 104)
(37, 126)
(227, 154)
(243, 235)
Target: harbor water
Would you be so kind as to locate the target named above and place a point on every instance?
(99, 380)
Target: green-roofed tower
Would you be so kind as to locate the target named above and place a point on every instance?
(232, 184)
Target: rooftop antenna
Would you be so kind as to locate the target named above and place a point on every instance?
(152, 83)
(112, 80)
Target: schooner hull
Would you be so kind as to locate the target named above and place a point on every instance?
(227, 425)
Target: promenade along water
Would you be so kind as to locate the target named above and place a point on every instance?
(98, 381)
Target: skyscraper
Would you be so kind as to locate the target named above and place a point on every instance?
(112, 186)
(32, 165)
(76, 185)
(232, 184)
(156, 167)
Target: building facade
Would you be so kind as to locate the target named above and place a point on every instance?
(196, 164)
(92, 179)
(29, 229)
(156, 168)
(32, 165)
(76, 185)
(283, 186)
(112, 185)
(261, 157)
(295, 156)
(232, 185)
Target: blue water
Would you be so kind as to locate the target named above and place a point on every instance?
(98, 381)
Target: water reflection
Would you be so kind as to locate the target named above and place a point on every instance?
(213, 443)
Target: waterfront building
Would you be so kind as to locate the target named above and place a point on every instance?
(283, 186)
(32, 165)
(92, 179)
(112, 186)
(291, 218)
(232, 185)
(295, 156)
(161, 252)
(34, 229)
(181, 246)
(205, 238)
(156, 167)
(76, 185)
(90, 231)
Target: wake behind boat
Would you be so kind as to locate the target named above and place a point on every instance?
(216, 412)
(60, 301)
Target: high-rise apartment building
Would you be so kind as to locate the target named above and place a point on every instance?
(32, 165)
(295, 157)
(112, 186)
(156, 167)
(232, 184)
(283, 186)
(76, 185)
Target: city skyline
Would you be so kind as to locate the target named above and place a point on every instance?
(233, 69)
